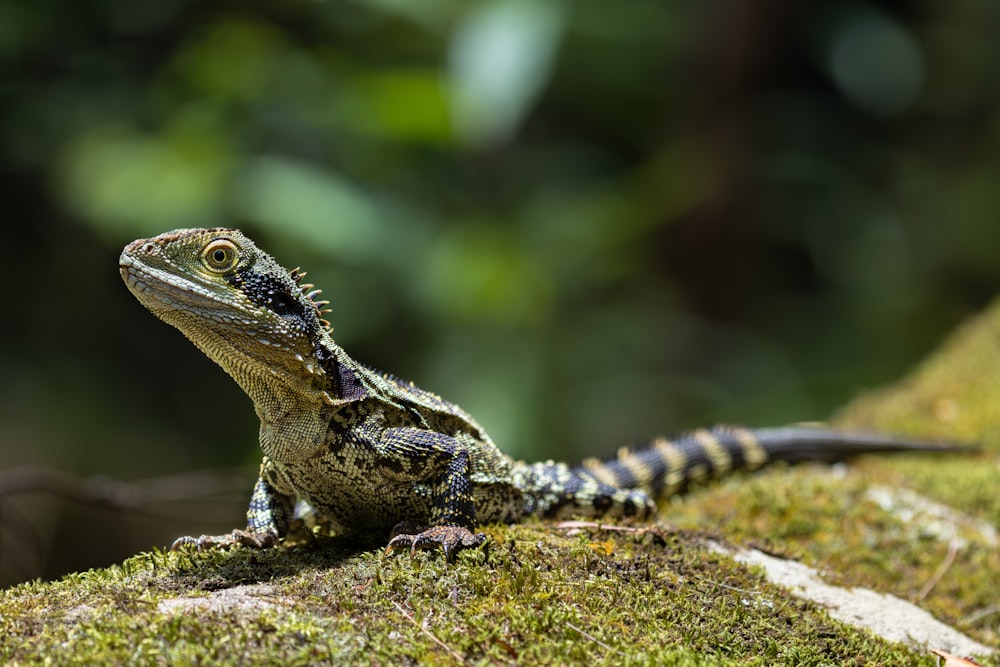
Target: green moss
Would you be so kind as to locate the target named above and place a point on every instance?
(832, 523)
(538, 597)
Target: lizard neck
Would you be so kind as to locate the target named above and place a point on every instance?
(295, 395)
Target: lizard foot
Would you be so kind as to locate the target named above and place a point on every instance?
(451, 539)
(237, 537)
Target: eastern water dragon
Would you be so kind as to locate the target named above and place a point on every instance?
(369, 453)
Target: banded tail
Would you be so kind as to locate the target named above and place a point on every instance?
(628, 484)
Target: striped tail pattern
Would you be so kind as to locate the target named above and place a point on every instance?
(628, 484)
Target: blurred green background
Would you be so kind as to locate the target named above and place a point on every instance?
(587, 224)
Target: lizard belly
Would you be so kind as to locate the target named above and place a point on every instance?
(356, 499)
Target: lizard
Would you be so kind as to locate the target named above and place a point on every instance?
(365, 451)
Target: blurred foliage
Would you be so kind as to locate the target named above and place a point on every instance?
(587, 226)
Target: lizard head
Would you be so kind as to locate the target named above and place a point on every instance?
(234, 301)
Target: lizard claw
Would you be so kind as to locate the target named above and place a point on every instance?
(184, 541)
(451, 539)
(241, 537)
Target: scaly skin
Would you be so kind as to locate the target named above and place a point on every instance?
(365, 451)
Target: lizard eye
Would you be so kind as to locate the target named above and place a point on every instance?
(220, 255)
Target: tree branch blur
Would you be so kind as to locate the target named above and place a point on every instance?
(110, 493)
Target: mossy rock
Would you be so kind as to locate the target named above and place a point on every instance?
(627, 594)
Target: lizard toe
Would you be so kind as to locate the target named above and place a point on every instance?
(451, 540)
(184, 541)
(237, 537)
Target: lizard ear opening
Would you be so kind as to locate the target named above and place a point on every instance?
(220, 256)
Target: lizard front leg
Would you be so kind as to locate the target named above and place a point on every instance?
(453, 511)
(268, 519)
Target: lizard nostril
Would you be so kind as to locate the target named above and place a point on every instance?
(148, 247)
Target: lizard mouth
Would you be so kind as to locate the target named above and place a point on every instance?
(157, 288)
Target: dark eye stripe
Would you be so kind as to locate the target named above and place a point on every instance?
(275, 295)
(283, 305)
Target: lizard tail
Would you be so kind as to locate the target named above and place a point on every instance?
(667, 467)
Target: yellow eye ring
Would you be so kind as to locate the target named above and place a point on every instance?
(220, 255)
